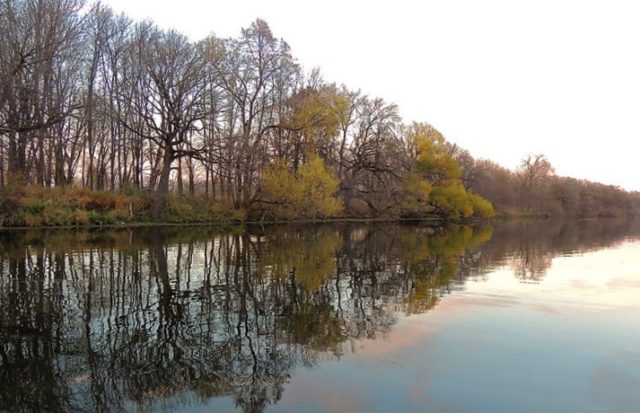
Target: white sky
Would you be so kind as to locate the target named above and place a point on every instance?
(500, 78)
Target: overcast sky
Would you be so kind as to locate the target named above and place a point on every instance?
(500, 78)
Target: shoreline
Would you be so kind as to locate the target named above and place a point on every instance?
(221, 224)
(233, 223)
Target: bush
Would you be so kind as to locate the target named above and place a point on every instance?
(224, 211)
(481, 207)
(307, 193)
(452, 201)
(416, 200)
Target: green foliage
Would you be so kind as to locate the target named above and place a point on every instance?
(307, 193)
(452, 201)
(481, 207)
(433, 161)
(181, 209)
(416, 201)
(37, 206)
(10, 198)
(317, 185)
(316, 115)
(278, 187)
(224, 211)
(437, 179)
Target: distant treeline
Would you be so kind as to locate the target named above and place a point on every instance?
(91, 99)
(533, 189)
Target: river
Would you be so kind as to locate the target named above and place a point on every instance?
(517, 316)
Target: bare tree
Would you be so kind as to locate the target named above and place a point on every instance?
(40, 51)
(250, 71)
(532, 174)
(168, 99)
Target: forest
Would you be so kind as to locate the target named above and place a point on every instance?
(105, 120)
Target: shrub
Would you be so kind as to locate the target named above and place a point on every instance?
(481, 207)
(416, 201)
(307, 193)
(452, 201)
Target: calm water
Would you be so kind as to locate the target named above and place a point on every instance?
(516, 317)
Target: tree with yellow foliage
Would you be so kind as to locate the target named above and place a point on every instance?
(307, 193)
(438, 175)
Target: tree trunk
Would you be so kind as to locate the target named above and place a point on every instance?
(163, 183)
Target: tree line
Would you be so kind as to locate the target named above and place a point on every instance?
(534, 189)
(91, 98)
(94, 99)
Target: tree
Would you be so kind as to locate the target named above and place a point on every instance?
(255, 72)
(375, 163)
(308, 192)
(532, 175)
(38, 59)
(417, 197)
(168, 99)
(434, 162)
(311, 124)
(436, 165)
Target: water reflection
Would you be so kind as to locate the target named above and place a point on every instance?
(529, 246)
(112, 320)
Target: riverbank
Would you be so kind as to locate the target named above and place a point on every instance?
(71, 207)
(33, 206)
(124, 225)
(29, 207)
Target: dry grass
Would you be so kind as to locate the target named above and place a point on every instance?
(34, 206)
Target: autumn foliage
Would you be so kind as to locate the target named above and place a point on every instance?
(307, 193)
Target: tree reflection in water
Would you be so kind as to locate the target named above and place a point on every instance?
(107, 320)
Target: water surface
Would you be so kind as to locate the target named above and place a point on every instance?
(519, 316)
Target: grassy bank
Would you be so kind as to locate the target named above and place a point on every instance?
(32, 206)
